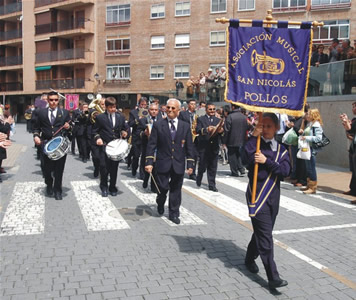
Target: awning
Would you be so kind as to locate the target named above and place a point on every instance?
(44, 68)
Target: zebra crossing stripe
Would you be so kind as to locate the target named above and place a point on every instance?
(320, 228)
(25, 212)
(96, 209)
(289, 204)
(221, 201)
(186, 217)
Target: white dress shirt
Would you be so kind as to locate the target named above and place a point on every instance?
(274, 143)
(54, 113)
(175, 123)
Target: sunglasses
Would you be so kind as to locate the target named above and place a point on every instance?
(51, 100)
(171, 107)
(211, 109)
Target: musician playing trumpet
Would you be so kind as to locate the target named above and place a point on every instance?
(208, 127)
(108, 126)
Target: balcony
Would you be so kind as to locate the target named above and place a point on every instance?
(10, 86)
(72, 3)
(66, 54)
(336, 78)
(10, 8)
(118, 52)
(10, 35)
(60, 26)
(63, 84)
(10, 61)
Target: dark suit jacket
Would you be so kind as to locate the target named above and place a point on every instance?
(170, 153)
(103, 129)
(205, 143)
(43, 127)
(322, 59)
(133, 122)
(184, 116)
(235, 128)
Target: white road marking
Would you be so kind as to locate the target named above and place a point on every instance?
(314, 228)
(186, 217)
(222, 202)
(95, 209)
(298, 207)
(25, 212)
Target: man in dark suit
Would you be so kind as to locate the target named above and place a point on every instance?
(189, 116)
(136, 139)
(108, 126)
(83, 143)
(75, 115)
(48, 121)
(145, 127)
(235, 129)
(171, 140)
(208, 147)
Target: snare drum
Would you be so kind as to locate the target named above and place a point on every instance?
(57, 147)
(117, 150)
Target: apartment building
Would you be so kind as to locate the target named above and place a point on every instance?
(130, 47)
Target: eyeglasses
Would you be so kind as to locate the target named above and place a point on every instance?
(171, 107)
(51, 100)
(211, 109)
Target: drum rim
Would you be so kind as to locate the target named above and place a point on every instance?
(50, 141)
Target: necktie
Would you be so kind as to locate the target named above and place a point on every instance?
(111, 121)
(211, 119)
(153, 119)
(173, 130)
(52, 116)
(269, 144)
(191, 118)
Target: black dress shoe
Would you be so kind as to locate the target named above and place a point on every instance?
(198, 181)
(193, 177)
(213, 188)
(145, 184)
(104, 193)
(234, 174)
(49, 191)
(133, 173)
(272, 284)
(113, 193)
(58, 196)
(85, 160)
(96, 173)
(175, 220)
(160, 210)
(252, 267)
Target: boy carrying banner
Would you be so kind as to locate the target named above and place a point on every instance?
(274, 165)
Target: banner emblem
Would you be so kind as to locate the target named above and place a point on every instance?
(267, 64)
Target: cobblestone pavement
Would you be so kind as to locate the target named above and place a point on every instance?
(89, 247)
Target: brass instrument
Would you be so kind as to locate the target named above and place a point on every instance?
(143, 112)
(194, 127)
(217, 128)
(95, 104)
(28, 116)
(267, 64)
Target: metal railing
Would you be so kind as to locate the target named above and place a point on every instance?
(39, 3)
(77, 83)
(336, 78)
(10, 35)
(60, 26)
(10, 86)
(10, 8)
(10, 61)
(60, 55)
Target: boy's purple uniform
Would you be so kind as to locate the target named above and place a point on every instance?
(263, 221)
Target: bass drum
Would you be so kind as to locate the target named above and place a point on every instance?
(117, 150)
(57, 147)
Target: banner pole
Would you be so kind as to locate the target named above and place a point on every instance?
(255, 170)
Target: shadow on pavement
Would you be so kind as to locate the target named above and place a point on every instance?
(225, 250)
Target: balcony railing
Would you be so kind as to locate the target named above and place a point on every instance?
(10, 35)
(39, 3)
(118, 52)
(10, 61)
(60, 26)
(10, 86)
(77, 83)
(336, 78)
(60, 55)
(10, 8)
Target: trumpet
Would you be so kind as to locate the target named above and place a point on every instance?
(95, 104)
(267, 64)
(194, 127)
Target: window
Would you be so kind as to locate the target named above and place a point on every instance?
(118, 45)
(157, 42)
(182, 41)
(329, 2)
(246, 4)
(181, 71)
(277, 4)
(333, 29)
(157, 11)
(157, 72)
(218, 6)
(117, 72)
(118, 14)
(183, 8)
(217, 38)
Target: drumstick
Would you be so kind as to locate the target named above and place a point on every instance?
(154, 181)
